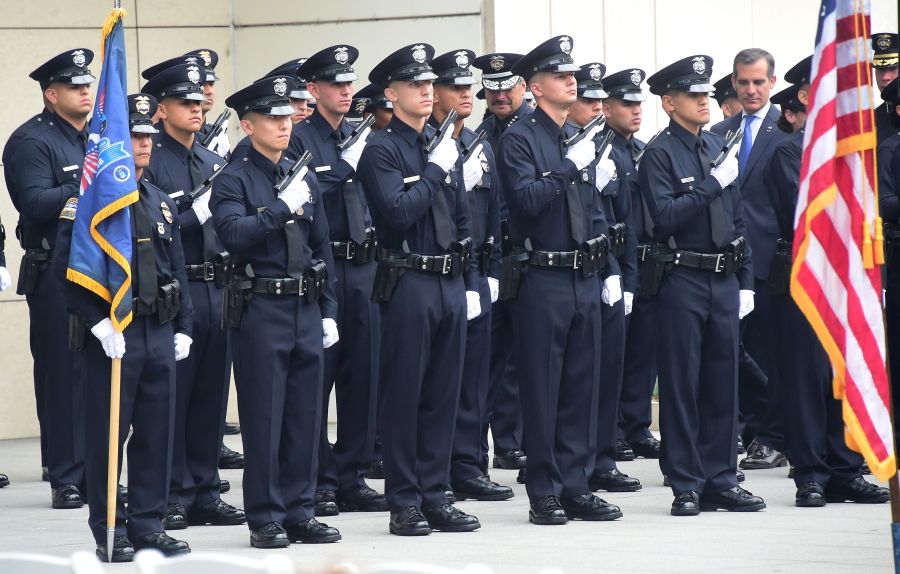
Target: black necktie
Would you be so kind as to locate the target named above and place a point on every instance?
(573, 202)
(294, 240)
(355, 219)
(145, 257)
(439, 210)
(716, 207)
(210, 247)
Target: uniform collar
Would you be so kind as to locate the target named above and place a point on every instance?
(264, 164)
(402, 129)
(168, 142)
(686, 137)
(72, 134)
(544, 120)
(323, 128)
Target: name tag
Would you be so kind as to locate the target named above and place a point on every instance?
(260, 209)
(70, 168)
(546, 173)
(687, 179)
(322, 168)
(178, 193)
(411, 179)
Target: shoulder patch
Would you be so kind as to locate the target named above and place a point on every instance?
(68, 211)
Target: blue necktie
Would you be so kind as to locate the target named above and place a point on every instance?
(746, 143)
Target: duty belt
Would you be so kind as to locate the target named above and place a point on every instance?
(557, 259)
(643, 250)
(352, 251)
(140, 308)
(892, 233)
(204, 272)
(285, 286)
(715, 262)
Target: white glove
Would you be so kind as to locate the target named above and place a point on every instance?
(329, 333)
(726, 172)
(113, 342)
(612, 290)
(297, 193)
(629, 302)
(746, 303)
(182, 346)
(472, 170)
(605, 170)
(351, 154)
(201, 207)
(5, 279)
(473, 305)
(494, 286)
(444, 154)
(584, 152)
(221, 144)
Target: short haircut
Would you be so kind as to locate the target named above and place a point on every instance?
(751, 55)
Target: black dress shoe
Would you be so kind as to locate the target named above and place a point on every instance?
(232, 428)
(176, 517)
(312, 532)
(229, 458)
(624, 452)
(760, 456)
(613, 481)
(4, 480)
(811, 494)
(161, 541)
(590, 507)
(376, 469)
(448, 518)
(547, 510)
(481, 488)
(409, 522)
(449, 495)
(740, 445)
(219, 513)
(510, 459)
(647, 447)
(66, 496)
(326, 503)
(865, 469)
(123, 551)
(361, 499)
(686, 504)
(224, 486)
(733, 500)
(741, 477)
(858, 490)
(270, 535)
(45, 474)
(522, 477)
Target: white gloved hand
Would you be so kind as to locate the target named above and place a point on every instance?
(612, 290)
(221, 144)
(746, 303)
(629, 302)
(297, 193)
(5, 279)
(726, 172)
(112, 341)
(473, 305)
(494, 286)
(472, 170)
(330, 334)
(444, 154)
(605, 170)
(352, 154)
(182, 346)
(584, 152)
(201, 207)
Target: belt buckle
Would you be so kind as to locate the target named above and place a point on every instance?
(351, 250)
(209, 271)
(301, 287)
(446, 265)
(720, 262)
(642, 251)
(577, 260)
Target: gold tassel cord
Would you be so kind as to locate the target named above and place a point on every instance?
(117, 15)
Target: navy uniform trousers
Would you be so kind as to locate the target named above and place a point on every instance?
(612, 359)
(504, 414)
(557, 352)
(351, 368)
(423, 331)
(147, 408)
(639, 370)
(697, 356)
(278, 364)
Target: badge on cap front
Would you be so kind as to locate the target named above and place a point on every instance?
(78, 58)
(207, 57)
(194, 74)
(595, 72)
(142, 105)
(497, 63)
(280, 86)
(361, 106)
(635, 77)
(565, 44)
(462, 59)
(699, 64)
(418, 53)
(340, 55)
(883, 42)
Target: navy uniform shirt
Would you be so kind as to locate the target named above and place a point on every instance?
(535, 172)
(675, 183)
(888, 176)
(629, 149)
(883, 127)
(169, 170)
(48, 172)
(12, 145)
(169, 261)
(250, 220)
(782, 179)
(400, 183)
(495, 127)
(484, 200)
(317, 136)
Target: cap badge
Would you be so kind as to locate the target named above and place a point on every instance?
(635, 77)
(497, 63)
(699, 64)
(565, 44)
(883, 42)
(418, 53)
(78, 58)
(191, 60)
(341, 56)
(207, 57)
(595, 72)
(280, 86)
(462, 59)
(142, 105)
(361, 105)
(193, 74)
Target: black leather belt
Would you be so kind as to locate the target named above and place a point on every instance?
(204, 272)
(285, 286)
(353, 251)
(557, 259)
(642, 251)
(714, 262)
(140, 309)
(439, 264)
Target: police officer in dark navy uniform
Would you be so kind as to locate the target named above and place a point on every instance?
(180, 165)
(885, 63)
(47, 173)
(557, 304)
(696, 212)
(351, 366)
(208, 60)
(299, 96)
(727, 97)
(426, 284)
(378, 105)
(504, 93)
(453, 91)
(282, 309)
(158, 335)
(611, 215)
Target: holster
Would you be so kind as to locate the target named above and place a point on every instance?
(462, 256)
(316, 280)
(223, 269)
(780, 272)
(595, 253)
(168, 302)
(366, 251)
(484, 255)
(657, 260)
(77, 332)
(387, 276)
(33, 262)
(511, 269)
(234, 297)
(617, 239)
(735, 258)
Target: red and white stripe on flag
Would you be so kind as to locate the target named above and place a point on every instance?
(835, 278)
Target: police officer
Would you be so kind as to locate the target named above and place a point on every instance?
(351, 366)
(179, 165)
(727, 97)
(426, 285)
(825, 469)
(453, 91)
(207, 59)
(610, 215)
(378, 105)
(557, 309)
(47, 176)
(299, 96)
(159, 335)
(885, 63)
(696, 212)
(279, 238)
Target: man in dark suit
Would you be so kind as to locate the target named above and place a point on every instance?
(753, 77)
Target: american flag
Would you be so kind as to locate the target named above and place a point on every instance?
(837, 239)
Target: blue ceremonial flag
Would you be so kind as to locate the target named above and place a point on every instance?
(100, 257)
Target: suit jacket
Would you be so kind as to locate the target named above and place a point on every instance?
(759, 213)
